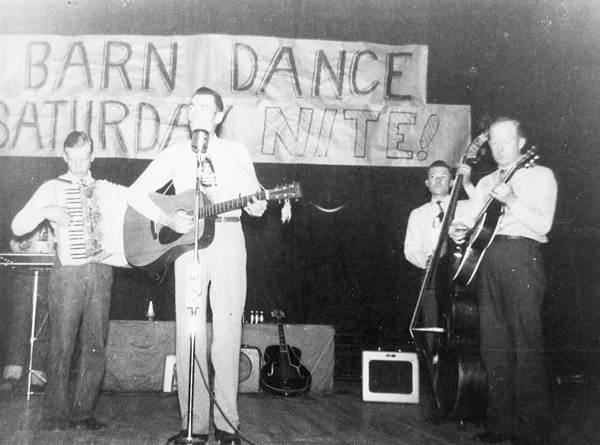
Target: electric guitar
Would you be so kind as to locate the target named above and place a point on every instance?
(486, 224)
(283, 374)
(154, 247)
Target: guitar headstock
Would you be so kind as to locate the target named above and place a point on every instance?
(288, 191)
(526, 160)
(277, 314)
(529, 158)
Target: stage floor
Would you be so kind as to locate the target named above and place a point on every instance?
(333, 419)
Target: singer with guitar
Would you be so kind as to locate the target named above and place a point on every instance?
(510, 285)
(225, 171)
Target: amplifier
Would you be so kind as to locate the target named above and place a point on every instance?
(390, 377)
(249, 369)
(248, 377)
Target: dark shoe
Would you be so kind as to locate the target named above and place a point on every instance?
(89, 424)
(225, 438)
(181, 437)
(491, 437)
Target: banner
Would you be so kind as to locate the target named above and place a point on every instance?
(288, 100)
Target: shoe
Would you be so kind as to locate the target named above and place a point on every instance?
(225, 438)
(181, 437)
(491, 437)
(90, 424)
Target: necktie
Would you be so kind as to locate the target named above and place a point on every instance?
(208, 178)
(440, 216)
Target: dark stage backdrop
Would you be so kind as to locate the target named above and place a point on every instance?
(537, 59)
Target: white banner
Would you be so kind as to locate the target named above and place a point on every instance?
(288, 100)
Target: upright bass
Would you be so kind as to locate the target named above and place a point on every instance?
(455, 370)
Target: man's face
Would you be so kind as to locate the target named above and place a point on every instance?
(79, 160)
(505, 143)
(203, 113)
(438, 180)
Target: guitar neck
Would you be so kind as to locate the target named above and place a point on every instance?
(282, 344)
(227, 206)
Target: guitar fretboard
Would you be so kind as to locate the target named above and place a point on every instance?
(226, 206)
(282, 345)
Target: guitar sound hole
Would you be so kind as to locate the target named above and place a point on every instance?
(166, 235)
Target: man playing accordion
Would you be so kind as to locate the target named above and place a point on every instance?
(84, 215)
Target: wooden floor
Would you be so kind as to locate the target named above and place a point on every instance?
(333, 419)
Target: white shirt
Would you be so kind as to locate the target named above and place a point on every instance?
(532, 214)
(423, 230)
(234, 170)
(53, 192)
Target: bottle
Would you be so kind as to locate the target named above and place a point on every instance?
(150, 312)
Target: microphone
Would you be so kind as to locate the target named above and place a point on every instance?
(196, 135)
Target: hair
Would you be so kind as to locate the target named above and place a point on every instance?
(78, 139)
(439, 163)
(209, 92)
(518, 125)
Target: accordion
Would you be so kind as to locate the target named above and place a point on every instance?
(95, 230)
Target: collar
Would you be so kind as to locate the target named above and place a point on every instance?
(444, 200)
(87, 179)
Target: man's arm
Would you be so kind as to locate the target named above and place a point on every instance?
(255, 207)
(465, 171)
(39, 208)
(412, 243)
(157, 174)
(534, 204)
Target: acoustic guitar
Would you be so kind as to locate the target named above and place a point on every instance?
(153, 247)
(283, 374)
(486, 225)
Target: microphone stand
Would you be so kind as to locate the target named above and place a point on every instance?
(190, 439)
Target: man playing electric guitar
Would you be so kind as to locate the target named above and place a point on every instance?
(510, 284)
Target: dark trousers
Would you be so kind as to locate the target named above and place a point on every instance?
(79, 303)
(511, 287)
(19, 321)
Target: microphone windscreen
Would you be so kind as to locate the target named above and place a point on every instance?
(195, 140)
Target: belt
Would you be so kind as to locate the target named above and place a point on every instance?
(227, 219)
(514, 238)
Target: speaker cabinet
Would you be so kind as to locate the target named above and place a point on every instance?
(249, 369)
(390, 377)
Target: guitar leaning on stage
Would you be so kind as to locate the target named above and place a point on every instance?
(486, 225)
(283, 374)
(153, 247)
